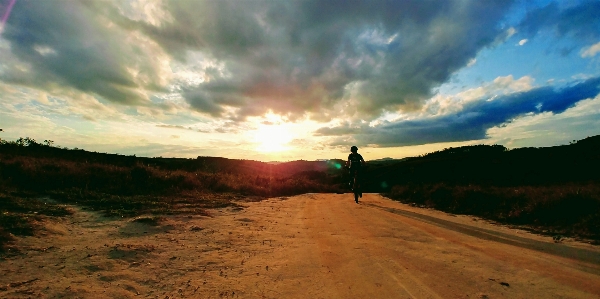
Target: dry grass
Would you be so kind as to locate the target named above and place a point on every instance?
(48, 174)
(122, 187)
(570, 209)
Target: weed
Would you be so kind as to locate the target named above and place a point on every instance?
(572, 209)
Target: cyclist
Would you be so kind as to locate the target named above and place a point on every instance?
(355, 163)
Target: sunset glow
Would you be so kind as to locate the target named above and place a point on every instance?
(272, 138)
(294, 79)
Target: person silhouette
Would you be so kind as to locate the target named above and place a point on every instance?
(355, 165)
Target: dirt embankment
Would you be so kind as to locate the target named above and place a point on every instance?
(309, 246)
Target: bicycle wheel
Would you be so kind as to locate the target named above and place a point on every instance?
(356, 189)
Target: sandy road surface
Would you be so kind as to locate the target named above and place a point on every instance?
(309, 246)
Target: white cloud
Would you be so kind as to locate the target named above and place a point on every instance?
(548, 129)
(472, 62)
(446, 104)
(510, 85)
(591, 51)
(43, 98)
(523, 41)
(44, 50)
(149, 11)
(511, 31)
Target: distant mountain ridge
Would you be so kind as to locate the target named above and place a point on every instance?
(481, 164)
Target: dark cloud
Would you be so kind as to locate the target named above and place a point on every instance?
(298, 57)
(65, 43)
(581, 21)
(472, 122)
(322, 59)
(346, 129)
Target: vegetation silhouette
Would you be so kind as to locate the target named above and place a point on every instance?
(35, 177)
(551, 190)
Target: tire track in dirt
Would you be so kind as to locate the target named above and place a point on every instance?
(428, 260)
(490, 235)
(307, 246)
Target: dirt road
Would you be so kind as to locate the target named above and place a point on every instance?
(309, 246)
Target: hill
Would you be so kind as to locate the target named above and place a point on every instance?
(494, 165)
(551, 190)
(36, 179)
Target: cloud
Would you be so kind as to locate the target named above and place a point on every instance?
(55, 104)
(211, 127)
(69, 44)
(174, 127)
(591, 51)
(472, 62)
(232, 60)
(309, 58)
(548, 129)
(345, 129)
(470, 123)
(448, 104)
(179, 127)
(578, 21)
(43, 98)
(523, 41)
(510, 32)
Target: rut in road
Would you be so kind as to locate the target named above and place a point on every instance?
(580, 254)
(380, 248)
(307, 246)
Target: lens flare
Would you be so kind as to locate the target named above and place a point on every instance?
(6, 14)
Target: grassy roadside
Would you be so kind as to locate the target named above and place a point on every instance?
(485, 181)
(19, 214)
(120, 186)
(558, 210)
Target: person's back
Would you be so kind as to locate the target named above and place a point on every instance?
(355, 160)
(355, 163)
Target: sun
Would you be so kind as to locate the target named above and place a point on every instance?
(272, 138)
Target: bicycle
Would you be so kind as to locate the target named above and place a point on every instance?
(356, 185)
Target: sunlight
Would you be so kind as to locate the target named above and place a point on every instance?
(272, 138)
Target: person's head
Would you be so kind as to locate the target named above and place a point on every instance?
(354, 149)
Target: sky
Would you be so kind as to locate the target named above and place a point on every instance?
(289, 80)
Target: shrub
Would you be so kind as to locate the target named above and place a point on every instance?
(570, 208)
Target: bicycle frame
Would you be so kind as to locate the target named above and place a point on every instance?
(356, 185)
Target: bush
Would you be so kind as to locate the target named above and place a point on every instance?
(568, 209)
